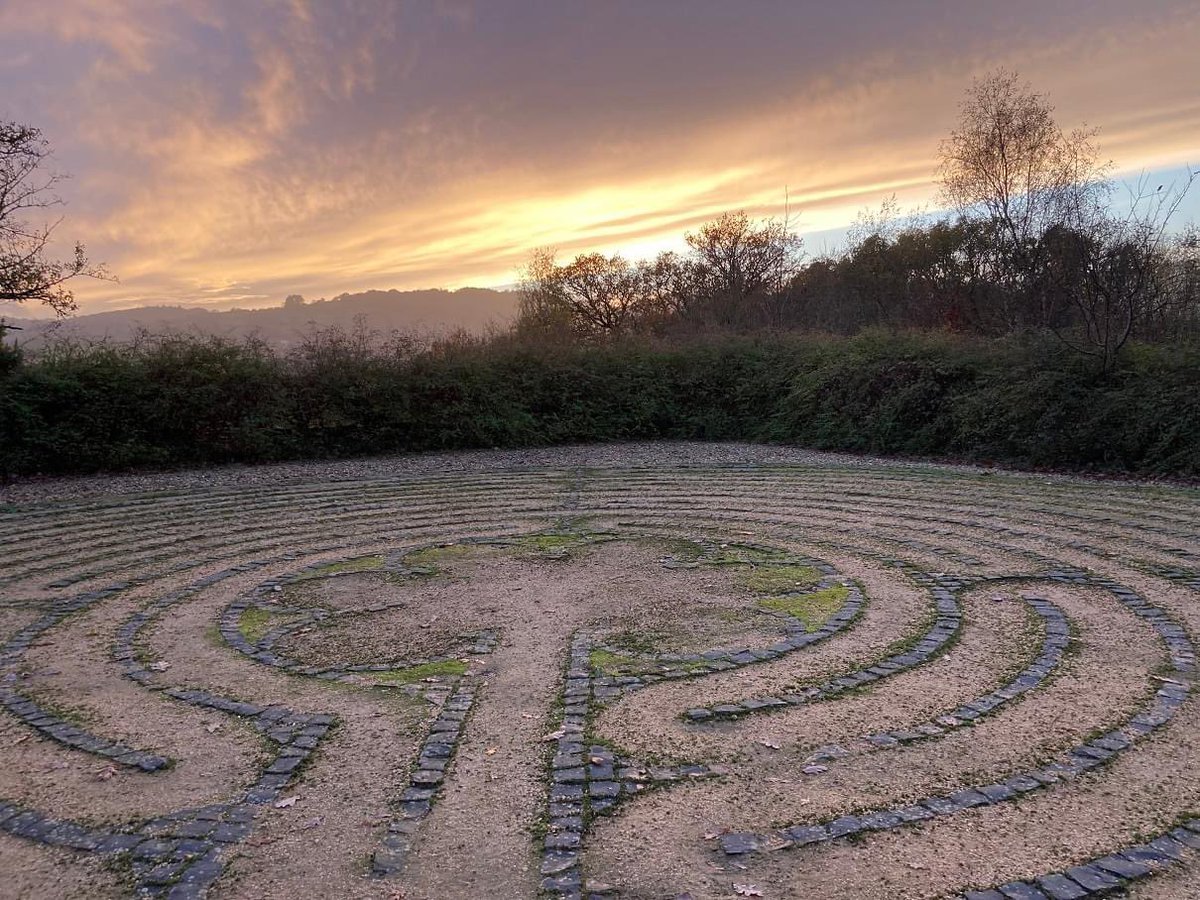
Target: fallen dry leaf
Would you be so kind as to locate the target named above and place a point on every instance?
(286, 802)
(106, 773)
(771, 744)
(747, 890)
(159, 666)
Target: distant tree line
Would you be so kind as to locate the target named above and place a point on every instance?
(1037, 241)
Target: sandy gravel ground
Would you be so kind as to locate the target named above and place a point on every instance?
(62, 536)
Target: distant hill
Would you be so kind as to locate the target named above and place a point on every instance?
(424, 312)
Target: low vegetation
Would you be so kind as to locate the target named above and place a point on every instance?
(813, 609)
(179, 401)
(1039, 323)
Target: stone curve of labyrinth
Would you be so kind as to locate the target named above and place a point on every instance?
(809, 681)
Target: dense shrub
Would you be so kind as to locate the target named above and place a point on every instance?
(186, 401)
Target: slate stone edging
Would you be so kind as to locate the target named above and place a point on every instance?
(1104, 874)
(944, 630)
(44, 721)
(1073, 763)
(417, 799)
(1055, 642)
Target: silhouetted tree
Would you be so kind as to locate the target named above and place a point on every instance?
(27, 270)
(1010, 163)
(742, 266)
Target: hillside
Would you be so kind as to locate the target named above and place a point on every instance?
(281, 326)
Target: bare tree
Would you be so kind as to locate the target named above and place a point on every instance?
(27, 270)
(1117, 273)
(741, 260)
(1009, 162)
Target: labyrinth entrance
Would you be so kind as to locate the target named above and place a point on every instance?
(821, 681)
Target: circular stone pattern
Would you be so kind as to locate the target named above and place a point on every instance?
(828, 679)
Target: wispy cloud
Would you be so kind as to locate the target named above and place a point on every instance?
(229, 152)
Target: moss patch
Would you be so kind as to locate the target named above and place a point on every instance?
(254, 622)
(432, 556)
(445, 668)
(636, 641)
(779, 579)
(613, 663)
(362, 564)
(813, 609)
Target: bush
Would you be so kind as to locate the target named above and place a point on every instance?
(177, 401)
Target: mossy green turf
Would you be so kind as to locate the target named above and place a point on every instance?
(779, 579)
(813, 609)
(444, 669)
(342, 567)
(254, 623)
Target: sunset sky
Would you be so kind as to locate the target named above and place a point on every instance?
(230, 153)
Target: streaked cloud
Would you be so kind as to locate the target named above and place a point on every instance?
(231, 153)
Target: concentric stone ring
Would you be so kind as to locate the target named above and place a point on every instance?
(811, 679)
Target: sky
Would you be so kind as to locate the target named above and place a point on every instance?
(228, 153)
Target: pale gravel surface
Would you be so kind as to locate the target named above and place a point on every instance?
(30, 870)
(1104, 683)
(596, 456)
(477, 844)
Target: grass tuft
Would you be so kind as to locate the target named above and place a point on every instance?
(813, 609)
(411, 674)
(779, 579)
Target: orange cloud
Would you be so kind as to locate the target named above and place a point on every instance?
(266, 149)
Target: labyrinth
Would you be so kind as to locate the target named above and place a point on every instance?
(824, 679)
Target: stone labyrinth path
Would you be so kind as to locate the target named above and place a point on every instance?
(809, 681)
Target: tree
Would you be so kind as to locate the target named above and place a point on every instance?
(27, 270)
(1009, 162)
(740, 262)
(1119, 275)
(592, 296)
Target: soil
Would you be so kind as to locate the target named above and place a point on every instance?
(482, 838)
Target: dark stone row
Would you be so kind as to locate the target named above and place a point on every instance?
(475, 643)
(1105, 874)
(589, 779)
(1054, 643)
(1188, 577)
(44, 721)
(1073, 763)
(568, 802)
(425, 782)
(180, 854)
(945, 628)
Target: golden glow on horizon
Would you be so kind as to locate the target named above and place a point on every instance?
(222, 195)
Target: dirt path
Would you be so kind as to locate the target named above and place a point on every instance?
(649, 555)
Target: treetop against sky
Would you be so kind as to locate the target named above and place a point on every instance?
(230, 153)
